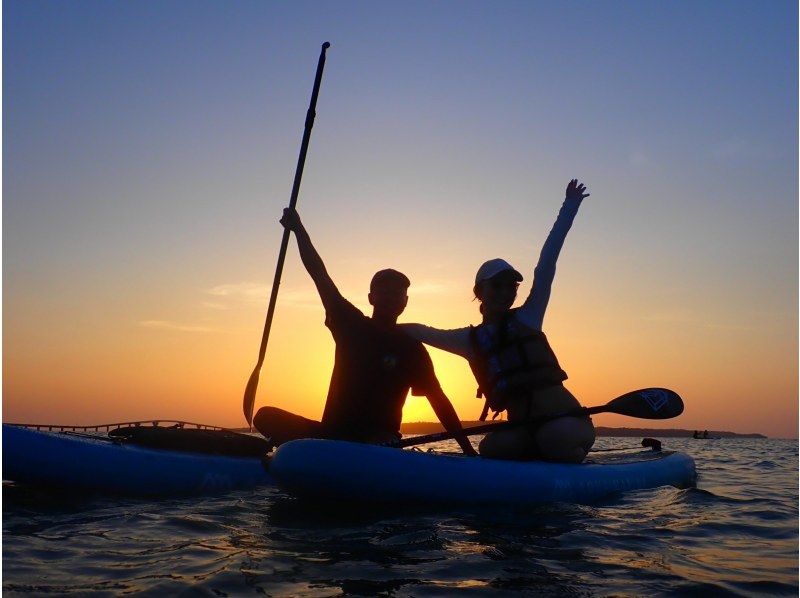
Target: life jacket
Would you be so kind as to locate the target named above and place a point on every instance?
(511, 360)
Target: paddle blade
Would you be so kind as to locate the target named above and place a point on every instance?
(250, 397)
(646, 403)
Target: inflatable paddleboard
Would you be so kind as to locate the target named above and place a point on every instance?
(358, 472)
(82, 462)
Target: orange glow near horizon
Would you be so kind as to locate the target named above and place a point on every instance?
(117, 369)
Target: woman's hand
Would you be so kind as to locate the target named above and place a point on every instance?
(575, 191)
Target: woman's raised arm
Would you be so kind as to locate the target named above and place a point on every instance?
(532, 311)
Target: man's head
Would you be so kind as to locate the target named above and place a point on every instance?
(388, 294)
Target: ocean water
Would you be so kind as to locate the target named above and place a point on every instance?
(736, 533)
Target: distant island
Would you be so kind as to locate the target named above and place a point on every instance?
(435, 427)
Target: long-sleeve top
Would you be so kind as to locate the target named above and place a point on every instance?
(531, 312)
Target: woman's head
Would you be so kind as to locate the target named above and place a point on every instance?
(496, 286)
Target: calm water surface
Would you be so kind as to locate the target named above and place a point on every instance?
(735, 534)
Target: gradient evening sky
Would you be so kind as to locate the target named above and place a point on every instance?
(149, 148)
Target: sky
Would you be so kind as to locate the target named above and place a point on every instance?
(149, 148)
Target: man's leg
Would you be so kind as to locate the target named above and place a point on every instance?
(281, 426)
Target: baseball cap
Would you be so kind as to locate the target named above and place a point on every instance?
(493, 268)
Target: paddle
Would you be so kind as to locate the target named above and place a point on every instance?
(646, 403)
(252, 383)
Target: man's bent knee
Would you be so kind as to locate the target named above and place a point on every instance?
(282, 426)
(266, 419)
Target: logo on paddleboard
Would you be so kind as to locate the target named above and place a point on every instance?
(655, 397)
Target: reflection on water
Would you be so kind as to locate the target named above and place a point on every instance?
(736, 532)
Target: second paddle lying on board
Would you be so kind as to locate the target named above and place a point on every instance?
(646, 403)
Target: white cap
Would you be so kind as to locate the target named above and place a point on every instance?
(493, 268)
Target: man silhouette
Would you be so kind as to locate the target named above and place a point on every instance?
(374, 367)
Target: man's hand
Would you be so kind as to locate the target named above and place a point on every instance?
(443, 409)
(468, 450)
(291, 220)
(575, 191)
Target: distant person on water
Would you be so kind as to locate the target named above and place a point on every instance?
(516, 369)
(375, 363)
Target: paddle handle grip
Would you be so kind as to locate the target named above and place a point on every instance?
(310, 116)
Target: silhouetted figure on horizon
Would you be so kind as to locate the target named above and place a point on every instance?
(705, 433)
(509, 354)
(374, 367)
(696, 434)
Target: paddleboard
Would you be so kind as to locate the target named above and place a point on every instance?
(82, 463)
(350, 471)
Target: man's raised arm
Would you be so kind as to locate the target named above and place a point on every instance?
(311, 260)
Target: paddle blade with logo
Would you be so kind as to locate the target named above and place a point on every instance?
(647, 403)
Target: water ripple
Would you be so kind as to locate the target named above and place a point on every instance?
(735, 534)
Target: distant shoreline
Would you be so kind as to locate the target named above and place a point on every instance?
(435, 427)
(602, 431)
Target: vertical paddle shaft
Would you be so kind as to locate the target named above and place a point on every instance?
(252, 383)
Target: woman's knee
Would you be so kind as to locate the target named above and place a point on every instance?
(566, 440)
(507, 444)
(489, 446)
